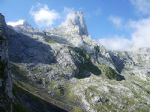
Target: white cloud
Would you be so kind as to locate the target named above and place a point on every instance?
(116, 21)
(141, 34)
(43, 16)
(140, 30)
(16, 23)
(116, 43)
(139, 38)
(142, 6)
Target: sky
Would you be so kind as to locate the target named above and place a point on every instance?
(117, 24)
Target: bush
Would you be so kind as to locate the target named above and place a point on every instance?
(77, 109)
(108, 71)
(84, 63)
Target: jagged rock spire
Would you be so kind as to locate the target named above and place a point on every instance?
(2, 27)
(75, 23)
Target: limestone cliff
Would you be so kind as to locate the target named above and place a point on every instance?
(6, 96)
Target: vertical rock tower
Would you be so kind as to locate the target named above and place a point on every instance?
(5, 74)
(75, 23)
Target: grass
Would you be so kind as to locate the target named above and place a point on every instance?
(19, 71)
(39, 95)
(77, 109)
(63, 92)
(108, 71)
(63, 96)
(97, 50)
(17, 107)
(84, 63)
(50, 41)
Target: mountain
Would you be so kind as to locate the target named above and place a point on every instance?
(75, 23)
(63, 69)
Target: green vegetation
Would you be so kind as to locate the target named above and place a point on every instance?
(77, 109)
(36, 70)
(62, 92)
(108, 71)
(89, 90)
(50, 41)
(106, 108)
(17, 107)
(84, 63)
(39, 95)
(148, 74)
(19, 70)
(97, 50)
(62, 96)
(2, 38)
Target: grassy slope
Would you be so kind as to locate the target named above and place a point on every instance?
(21, 87)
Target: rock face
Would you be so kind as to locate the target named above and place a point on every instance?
(65, 64)
(5, 74)
(135, 62)
(75, 23)
(73, 30)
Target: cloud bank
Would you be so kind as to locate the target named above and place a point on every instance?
(140, 35)
(116, 21)
(116, 43)
(43, 16)
(142, 6)
(15, 23)
(139, 38)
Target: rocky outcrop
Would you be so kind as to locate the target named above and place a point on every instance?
(133, 62)
(6, 96)
(75, 23)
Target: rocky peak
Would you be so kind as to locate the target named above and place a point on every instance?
(2, 20)
(24, 24)
(75, 23)
(2, 26)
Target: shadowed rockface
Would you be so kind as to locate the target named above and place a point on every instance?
(24, 49)
(83, 61)
(32, 103)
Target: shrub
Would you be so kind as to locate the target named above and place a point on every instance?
(84, 63)
(108, 71)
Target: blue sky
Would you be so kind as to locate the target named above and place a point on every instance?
(107, 20)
